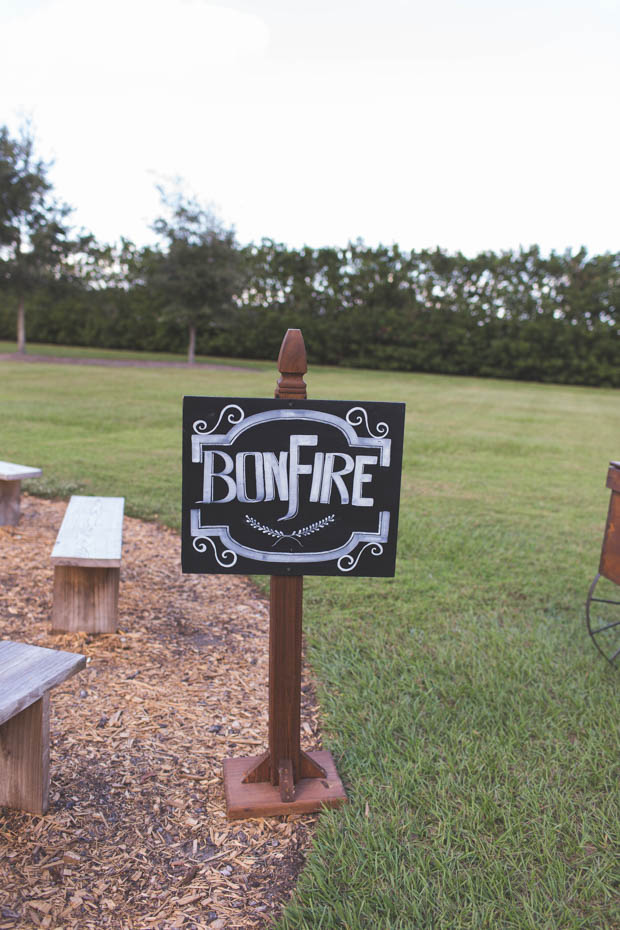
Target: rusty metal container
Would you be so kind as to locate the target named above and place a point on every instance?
(609, 565)
(602, 602)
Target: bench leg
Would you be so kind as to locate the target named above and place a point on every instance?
(9, 502)
(85, 599)
(24, 758)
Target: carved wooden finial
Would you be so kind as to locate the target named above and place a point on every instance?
(292, 365)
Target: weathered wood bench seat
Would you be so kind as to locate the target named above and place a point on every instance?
(87, 558)
(11, 477)
(27, 674)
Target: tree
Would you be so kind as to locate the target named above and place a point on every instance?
(198, 274)
(34, 235)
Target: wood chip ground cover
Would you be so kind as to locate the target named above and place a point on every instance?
(136, 837)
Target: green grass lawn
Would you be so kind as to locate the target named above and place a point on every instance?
(473, 722)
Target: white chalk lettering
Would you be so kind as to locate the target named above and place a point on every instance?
(317, 472)
(360, 478)
(210, 475)
(331, 476)
(295, 469)
(253, 477)
(241, 475)
(276, 475)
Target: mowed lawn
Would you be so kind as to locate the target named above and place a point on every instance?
(473, 722)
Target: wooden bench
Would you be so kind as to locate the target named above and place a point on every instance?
(27, 674)
(11, 477)
(87, 559)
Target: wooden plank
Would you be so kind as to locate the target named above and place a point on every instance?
(285, 780)
(263, 799)
(285, 620)
(285, 764)
(9, 471)
(24, 758)
(286, 605)
(27, 672)
(85, 599)
(285, 616)
(10, 492)
(91, 533)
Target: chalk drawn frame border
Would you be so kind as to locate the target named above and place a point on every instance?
(217, 542)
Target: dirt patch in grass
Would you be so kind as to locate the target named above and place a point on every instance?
(136, 835)
(114, 362)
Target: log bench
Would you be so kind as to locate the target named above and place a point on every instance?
(87, 558)
(11, 477)
(27, 674)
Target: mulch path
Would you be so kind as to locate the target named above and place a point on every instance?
(136, 837)
(113, 362)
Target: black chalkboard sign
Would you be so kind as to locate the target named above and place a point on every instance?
(290, 487)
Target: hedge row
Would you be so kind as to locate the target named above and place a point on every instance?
(516, 315)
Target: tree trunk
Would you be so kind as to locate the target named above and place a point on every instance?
(21, 326)
(191, 349)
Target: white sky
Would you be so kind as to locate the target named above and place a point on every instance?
(468, 124)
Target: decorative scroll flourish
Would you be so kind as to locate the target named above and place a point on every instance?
(382, 429)
(280, 535)
(200, 426)
(228, 557)
(357, 537)
(346, 563)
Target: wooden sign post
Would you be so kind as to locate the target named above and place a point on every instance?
(285, 779)
(288, 487)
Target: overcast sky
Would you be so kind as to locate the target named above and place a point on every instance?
(469, 125)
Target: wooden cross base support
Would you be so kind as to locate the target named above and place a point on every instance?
(262, 799)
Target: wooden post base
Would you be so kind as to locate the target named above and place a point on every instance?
(262, 799)
(9, 502)
(85, 599)
(24, 758)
